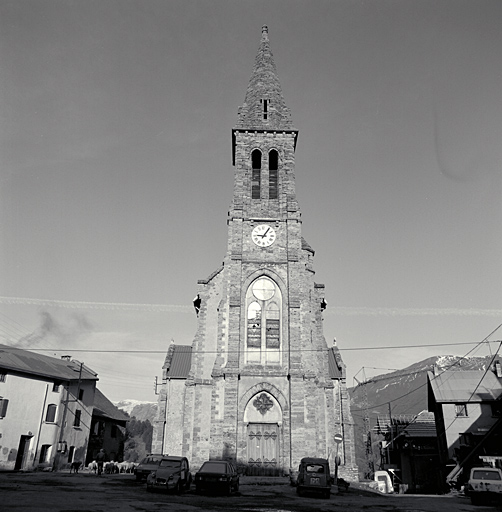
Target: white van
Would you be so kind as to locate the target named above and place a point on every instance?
(384, 482)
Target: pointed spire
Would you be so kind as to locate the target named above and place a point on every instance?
(264, 106)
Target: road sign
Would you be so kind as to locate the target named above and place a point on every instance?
(338, 438)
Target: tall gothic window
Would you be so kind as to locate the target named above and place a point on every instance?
(273, 165)
(256, 178)
(263, 329)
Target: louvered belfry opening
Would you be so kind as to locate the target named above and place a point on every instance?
(256, 179)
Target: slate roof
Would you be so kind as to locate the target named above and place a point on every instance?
(335, 365)
(465, 386)
(105, 409)
(178, 361)
(422, 425)
(24, 361)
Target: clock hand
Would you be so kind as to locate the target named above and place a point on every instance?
(265, 234)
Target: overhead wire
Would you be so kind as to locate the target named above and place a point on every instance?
(446, 369)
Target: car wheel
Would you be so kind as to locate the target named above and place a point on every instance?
(476, 499)
(327, 494)
(299, 491)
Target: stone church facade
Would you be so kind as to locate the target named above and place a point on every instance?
(259, 384)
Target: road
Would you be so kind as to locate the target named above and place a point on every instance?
(84, 492)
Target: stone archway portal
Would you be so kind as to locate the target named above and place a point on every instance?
(263, 449)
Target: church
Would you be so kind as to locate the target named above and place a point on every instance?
(259, 385)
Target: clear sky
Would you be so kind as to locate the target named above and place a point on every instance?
(116, 171)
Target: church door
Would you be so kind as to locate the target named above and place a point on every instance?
(263, 449)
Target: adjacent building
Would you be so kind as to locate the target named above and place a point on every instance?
(108, 430)
(46, 407)
(467, 406)
(410, 453)
(259, 385)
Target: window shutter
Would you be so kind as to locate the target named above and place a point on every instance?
(3, 407)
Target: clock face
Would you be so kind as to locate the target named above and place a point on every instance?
(263, 235)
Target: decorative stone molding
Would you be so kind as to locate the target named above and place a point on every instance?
(263, 403)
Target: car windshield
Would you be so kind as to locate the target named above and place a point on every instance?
(315, 468)
(484, 474)
(166, 463)
(151, 460)
(214, 467)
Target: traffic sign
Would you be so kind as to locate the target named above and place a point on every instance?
(338, 438)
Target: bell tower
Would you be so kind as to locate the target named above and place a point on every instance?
(263, 389)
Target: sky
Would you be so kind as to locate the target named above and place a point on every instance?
(116, 173)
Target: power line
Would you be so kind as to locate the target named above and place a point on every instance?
(446, 369)
(124, 351)
(488, 366)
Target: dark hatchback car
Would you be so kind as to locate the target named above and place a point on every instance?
(217, 475)
(172, 474)
(147, 465)
(314, 476)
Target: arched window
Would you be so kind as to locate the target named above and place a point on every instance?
(256, 178)
(50, 417)
(273, 166)
(263, 329)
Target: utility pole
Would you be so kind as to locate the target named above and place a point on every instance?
(370, 467)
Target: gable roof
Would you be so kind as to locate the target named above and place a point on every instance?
(24, 361)
(105, 409)
(465, 386)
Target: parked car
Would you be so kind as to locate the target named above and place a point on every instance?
(485, 484)
(172, 474)
(147, 465)
(314, 476)
(217, 475)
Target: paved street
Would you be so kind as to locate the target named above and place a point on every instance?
(84, 492)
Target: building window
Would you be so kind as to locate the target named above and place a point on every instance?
(45, 453)
(272, 331)
(50, 417)
(273, 166)
(55, 387)
(3, 407)
(81, 394)
(3, 376)
(465, 439)
(76, 421)
(256, 178)
(263, 328)
(265, 104)
(496, 409)
(71, 453)
(460, 410)
(114, 432)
